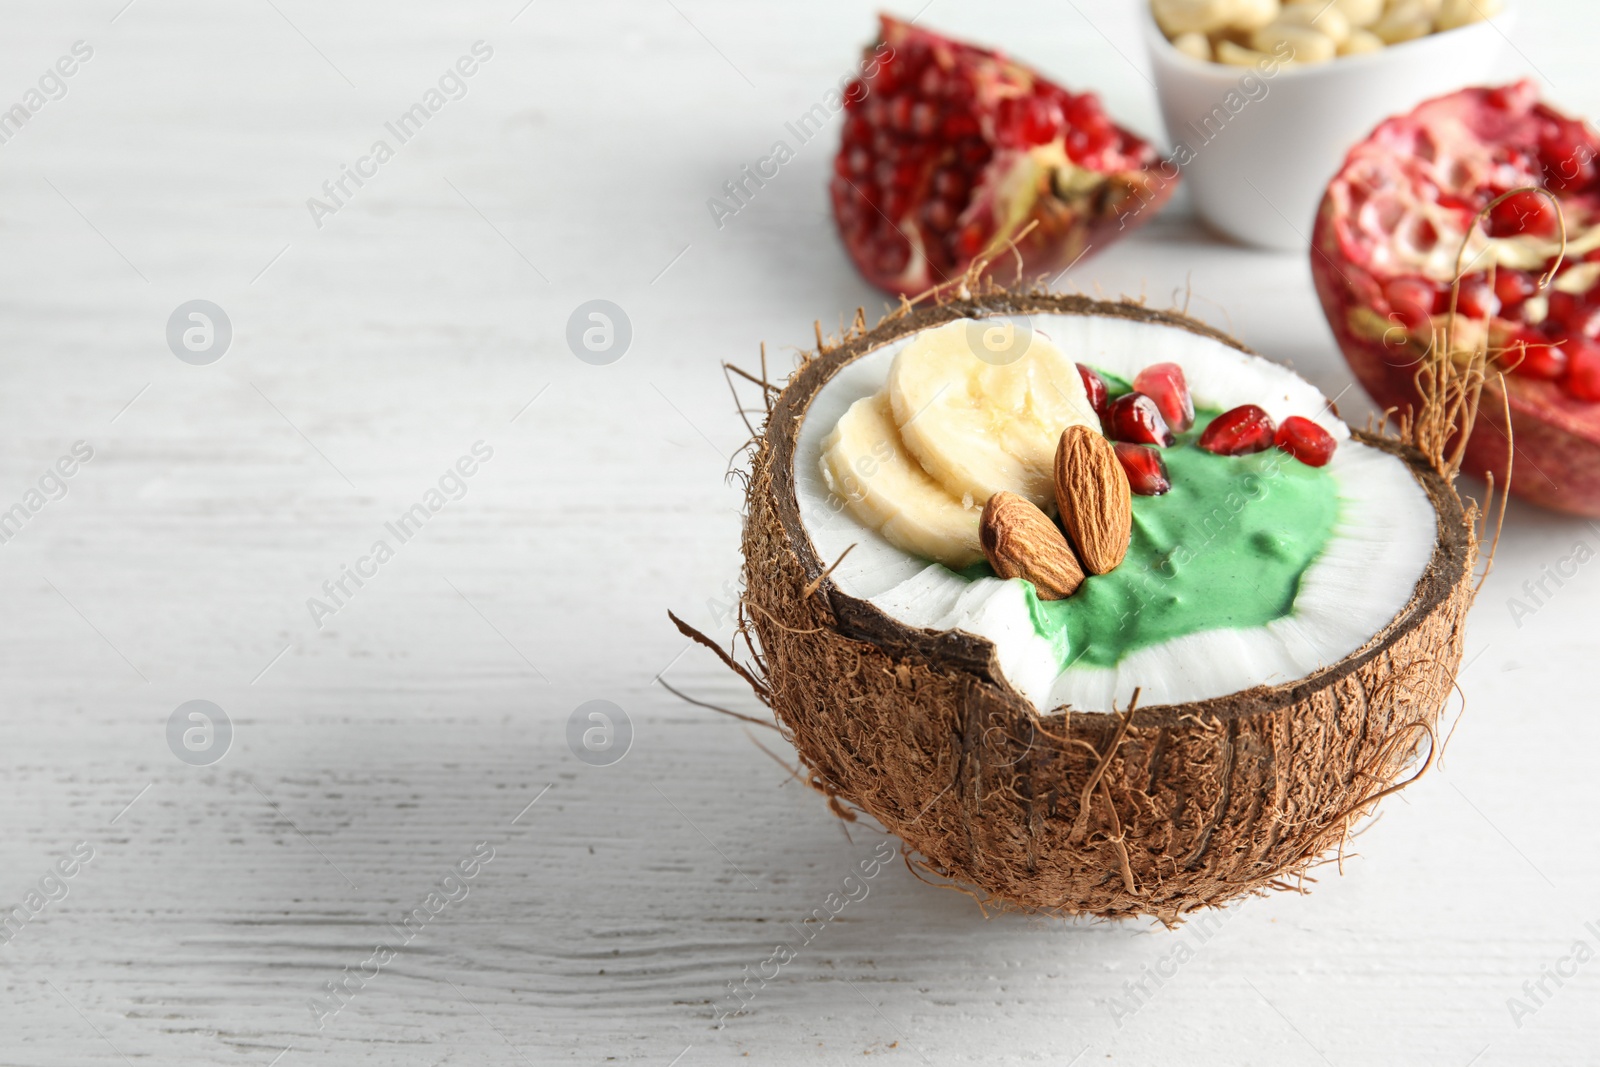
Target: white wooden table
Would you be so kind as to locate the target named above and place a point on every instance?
(372, 752)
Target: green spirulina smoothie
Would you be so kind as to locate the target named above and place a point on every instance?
(1224, 549)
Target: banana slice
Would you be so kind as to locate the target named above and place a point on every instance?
(867, 467)
(981, 404)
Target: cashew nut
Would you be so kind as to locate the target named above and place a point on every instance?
(1320, 16)
(1197, 45)
(1308, 46)
(1193, 16)
(1360, 12)
(1402, 22)
(1253, 14)
(1358, 42)
(1315, 30)
(1457, 13)
(1235, 55)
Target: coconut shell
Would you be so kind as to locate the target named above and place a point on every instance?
(1156, 813)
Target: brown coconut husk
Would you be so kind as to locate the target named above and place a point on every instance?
(1153, 811)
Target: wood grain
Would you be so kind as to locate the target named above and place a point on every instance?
(372, 753)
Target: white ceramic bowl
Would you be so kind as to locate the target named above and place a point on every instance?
(1260, 164)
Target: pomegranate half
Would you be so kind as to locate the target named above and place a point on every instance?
(1384, 255)
(950, 151)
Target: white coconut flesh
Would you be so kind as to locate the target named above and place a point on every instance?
(1378, 549)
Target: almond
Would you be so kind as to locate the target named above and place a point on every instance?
(1020, 541)
(1094, 498)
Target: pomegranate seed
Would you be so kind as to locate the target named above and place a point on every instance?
(889, 75)
(1533, 355)
(1568, 156)
(1135, 418)
(1040, 121)
(1413, 293)
(1583, 370)
(1095, 386)
(894, 202)
(1513, 287)
(1027, 121)
(1305, 441)
(1077, 146)
(1412, 318)
(958, 125)
(1164, 383)
(949, 183)
(1412, 302)
(1503, 97)
(1564, 308)
(1084, 111)
(971, 240)
(891, 251)
(1146, 470)
(1082, 144)
(1478, 299)
(1525, 212)
(900, 113)
(1241, 431)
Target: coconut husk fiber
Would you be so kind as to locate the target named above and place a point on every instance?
(1155, 811)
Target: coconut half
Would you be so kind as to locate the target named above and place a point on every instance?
(943, 734)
